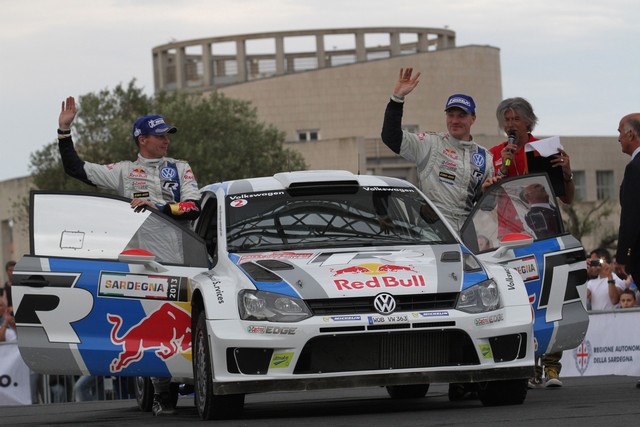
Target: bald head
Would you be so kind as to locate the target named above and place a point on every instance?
(629, 133)
(535, 193)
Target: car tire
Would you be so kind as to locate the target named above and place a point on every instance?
(456, 392)
(410, 391)
(143, 389)
(505, 392)
(210, 406)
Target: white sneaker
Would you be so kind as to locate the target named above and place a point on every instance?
(553, 382)
(535, 383)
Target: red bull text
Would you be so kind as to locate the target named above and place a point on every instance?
(380, 282)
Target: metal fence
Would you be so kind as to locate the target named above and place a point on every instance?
(69, 388)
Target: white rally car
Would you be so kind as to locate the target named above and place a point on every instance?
(299, 281)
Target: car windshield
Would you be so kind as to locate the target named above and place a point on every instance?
(325, 216)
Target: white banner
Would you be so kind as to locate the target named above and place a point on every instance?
(15, 387)
(611, 347)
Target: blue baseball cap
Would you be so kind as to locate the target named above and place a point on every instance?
(152, 125)
(464, 102)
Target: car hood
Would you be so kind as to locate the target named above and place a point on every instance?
(318, 274)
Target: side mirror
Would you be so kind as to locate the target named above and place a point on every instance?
(141, 256)
(512, 241)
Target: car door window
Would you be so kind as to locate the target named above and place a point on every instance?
(96, 226)
(524, 204)
(207, 226)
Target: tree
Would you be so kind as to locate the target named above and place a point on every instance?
(585, 219)
(220, 137)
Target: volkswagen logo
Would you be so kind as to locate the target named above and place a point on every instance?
(384, 303)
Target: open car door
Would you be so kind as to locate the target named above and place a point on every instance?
(514, 226)
(105, 290)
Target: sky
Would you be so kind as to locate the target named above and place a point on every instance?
(577, 62)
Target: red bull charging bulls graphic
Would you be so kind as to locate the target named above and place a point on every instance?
(167, 330)
(403, 276)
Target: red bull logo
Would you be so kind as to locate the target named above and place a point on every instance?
(168, 330)
(137, 173)
(381, 279)
(452, 154)
(373, 269)
(187, 207)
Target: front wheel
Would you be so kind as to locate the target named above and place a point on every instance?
(506, 392)
(410, 391)
(210, 406)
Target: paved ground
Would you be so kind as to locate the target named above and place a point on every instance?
(588, 401)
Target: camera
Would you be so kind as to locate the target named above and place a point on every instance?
(595, 263)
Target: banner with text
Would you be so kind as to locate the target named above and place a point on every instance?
(15, 387)
(611, 347)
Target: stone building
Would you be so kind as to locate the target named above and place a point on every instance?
(327, 89)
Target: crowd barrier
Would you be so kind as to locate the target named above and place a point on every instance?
(20, 386)
(611, 346)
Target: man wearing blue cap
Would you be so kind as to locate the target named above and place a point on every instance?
(452, 169)
(152, 181)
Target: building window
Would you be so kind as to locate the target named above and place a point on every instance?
(604, 185)
(308, 135)
(579, 180)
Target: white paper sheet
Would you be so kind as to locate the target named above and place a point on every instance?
(546, 147)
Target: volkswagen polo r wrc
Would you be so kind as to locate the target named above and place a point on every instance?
(298, 281)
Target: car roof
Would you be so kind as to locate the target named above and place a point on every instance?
(285, 180)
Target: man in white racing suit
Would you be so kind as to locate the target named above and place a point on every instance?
(152, 181)
(453, 170)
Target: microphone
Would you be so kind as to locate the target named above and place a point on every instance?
(512, 140)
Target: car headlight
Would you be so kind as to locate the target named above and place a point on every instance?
(259, 305)
(479, 298)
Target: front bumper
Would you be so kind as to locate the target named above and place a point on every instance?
(374, 380)
(358, 351)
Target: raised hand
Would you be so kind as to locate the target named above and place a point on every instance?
(67, 114)
(405, 83)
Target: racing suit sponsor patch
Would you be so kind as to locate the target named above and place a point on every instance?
(450, 153)
(137, 173)
(141, 195)
(446, 178)
(478, 160)
(168, 173)
(182, 207)
(170, 185)
(188, 175)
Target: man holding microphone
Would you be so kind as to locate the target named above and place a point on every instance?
(516, 117)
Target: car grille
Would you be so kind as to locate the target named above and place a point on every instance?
(363, 305)
(389, 350)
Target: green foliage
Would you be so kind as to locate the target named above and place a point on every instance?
(585, 219)
(220, 137)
